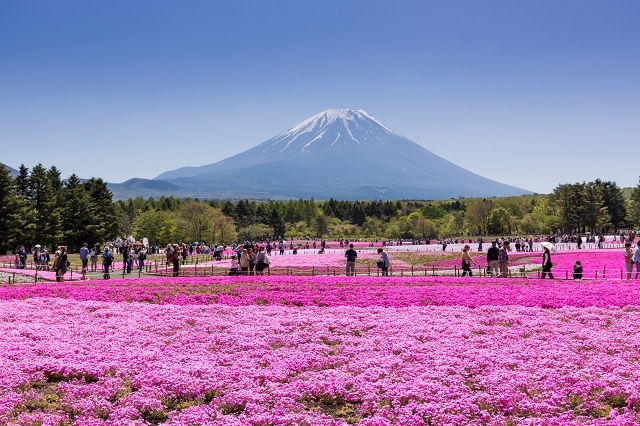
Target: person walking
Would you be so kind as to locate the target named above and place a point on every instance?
(84, 257)
(546, 263)
(384, 261)
(492, 259)
(466, 261)
(351, 256)
(628, 259)
(503, 259)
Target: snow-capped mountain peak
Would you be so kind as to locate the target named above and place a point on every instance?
(340, 153)
(333, 126)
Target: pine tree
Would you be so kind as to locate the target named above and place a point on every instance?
(14, 227)
(75, 214)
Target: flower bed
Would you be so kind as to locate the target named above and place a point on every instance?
(181, 365)
(323, 350)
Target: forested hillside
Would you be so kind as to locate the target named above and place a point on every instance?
(38, 206)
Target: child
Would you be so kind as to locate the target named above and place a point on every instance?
(233, 269)
(577, 270)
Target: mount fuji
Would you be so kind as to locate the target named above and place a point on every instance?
(340, 153)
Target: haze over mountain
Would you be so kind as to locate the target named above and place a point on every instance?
(339, 153)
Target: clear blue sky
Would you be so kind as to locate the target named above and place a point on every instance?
(529, 93)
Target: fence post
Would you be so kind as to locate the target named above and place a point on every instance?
(411, 270)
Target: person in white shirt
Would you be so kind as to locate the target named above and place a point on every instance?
(636, 260)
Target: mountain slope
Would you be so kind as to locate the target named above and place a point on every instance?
(339, 153)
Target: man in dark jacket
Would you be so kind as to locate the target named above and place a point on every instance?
(492, 259)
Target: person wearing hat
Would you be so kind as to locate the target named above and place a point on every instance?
(503, 259)
(84, 257)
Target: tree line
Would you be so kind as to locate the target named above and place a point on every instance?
(39, 207)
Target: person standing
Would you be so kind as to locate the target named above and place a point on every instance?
(244, 262)
(260, 263)
(60, 263)
(84, 257)
(142, 256)
(636, 260)
(546, 263)
(174, 258)
(93, 255)
(351, 256)
(492, 259)
(22, 257)
(107, 260)
(503, 259)
(628, 259)
(384, 259)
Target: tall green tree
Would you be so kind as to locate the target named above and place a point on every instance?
(633, 207)
(75, 214)
(43, 199)
(16, 220)
(613, 200)
(105, 219)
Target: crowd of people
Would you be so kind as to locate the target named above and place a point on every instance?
(251, 258)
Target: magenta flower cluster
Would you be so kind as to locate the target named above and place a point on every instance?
(320, 351)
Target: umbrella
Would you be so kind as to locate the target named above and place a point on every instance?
(38, 246)
(547, 244)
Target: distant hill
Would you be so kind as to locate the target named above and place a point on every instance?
(339, 153)
(143, 188)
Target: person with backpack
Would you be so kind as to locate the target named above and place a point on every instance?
(260, 263)
(107, 260)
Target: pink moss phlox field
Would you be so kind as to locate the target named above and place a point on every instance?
(341, 291)
(324, 350)
(131, 363)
